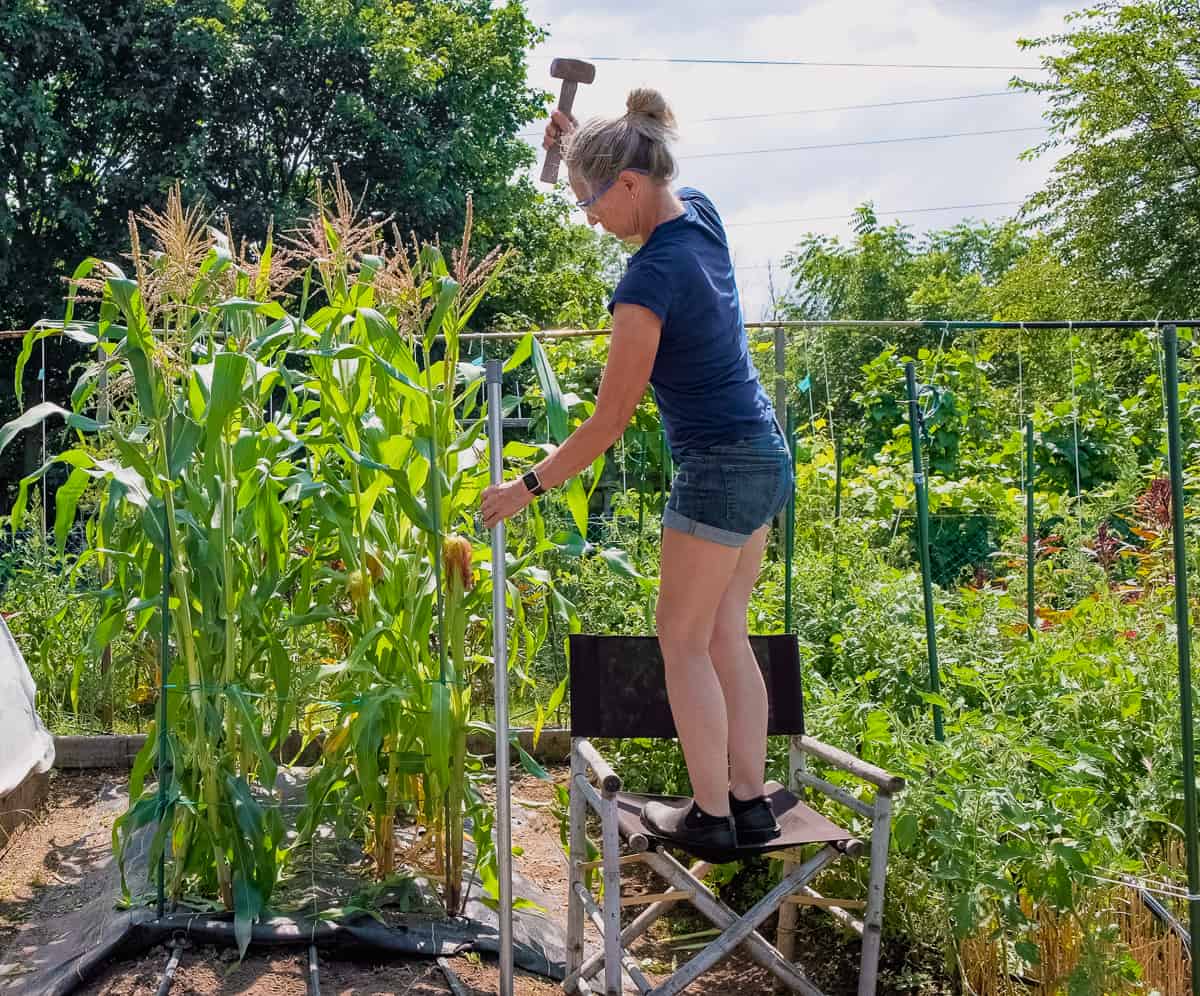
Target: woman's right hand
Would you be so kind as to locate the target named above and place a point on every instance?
(559, 124)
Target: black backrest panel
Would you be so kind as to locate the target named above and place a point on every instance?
(618, 688)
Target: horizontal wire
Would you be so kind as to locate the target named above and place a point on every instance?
(864, 142)
(806, 62)
(829, 110)
(847, 215)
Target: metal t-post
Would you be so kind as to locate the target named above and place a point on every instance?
(914, 425)
(500, 654)
(1183, 638)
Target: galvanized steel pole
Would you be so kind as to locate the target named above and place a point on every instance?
(789, 527)
(1183, 642)
(503, 834)
(164, 668)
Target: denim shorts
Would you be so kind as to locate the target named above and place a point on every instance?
(727, 492)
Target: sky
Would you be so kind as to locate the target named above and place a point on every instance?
(760, 194)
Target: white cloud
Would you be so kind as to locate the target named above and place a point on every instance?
(829, 181)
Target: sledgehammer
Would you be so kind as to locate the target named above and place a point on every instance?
(572, 72)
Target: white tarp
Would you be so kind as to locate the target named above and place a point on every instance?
(25, 744)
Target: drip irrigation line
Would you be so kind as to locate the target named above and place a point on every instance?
(168, 976)
(864, 142)
(313, 975)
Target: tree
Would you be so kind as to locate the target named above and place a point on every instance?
(1124, 201)
(248, 105)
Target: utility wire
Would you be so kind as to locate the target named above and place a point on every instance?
(807, 62)
(865, 107)
(846, 214)
(873, 141)
(828, 110)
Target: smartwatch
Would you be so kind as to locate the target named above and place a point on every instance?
(532, 484)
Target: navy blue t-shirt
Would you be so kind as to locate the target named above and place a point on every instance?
(703, 379)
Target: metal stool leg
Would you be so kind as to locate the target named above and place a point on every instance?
(577, 852)
(611, 855)
(873, 915)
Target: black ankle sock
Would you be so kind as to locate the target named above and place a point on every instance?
(738, 806)
(698, 819)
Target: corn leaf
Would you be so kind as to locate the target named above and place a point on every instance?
(556, 409)
(39, 413)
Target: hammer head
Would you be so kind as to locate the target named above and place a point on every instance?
(575, 70)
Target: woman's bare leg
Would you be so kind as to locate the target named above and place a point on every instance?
(737, 671)
(696, 573)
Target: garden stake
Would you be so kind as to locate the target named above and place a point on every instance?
(500, 653)
(834, 591)
(1029, 541)
(837, 481)
(641, 489)
(914, 425)
(1183, 641)
(663, 478)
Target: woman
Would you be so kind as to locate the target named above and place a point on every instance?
(677, 325)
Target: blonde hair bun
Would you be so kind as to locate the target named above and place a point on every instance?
(644, 102)
(599, 149)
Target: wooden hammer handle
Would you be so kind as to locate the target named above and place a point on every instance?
(566, 100)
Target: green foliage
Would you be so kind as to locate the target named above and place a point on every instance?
(249, 106)
(1122, 90)
(51, 610)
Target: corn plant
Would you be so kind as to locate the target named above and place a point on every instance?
(309, 468)
(193, 476)
(394, 429)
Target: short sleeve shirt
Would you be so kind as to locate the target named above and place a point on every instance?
(704, 381)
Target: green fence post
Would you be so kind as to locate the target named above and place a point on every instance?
(1183, 640)
(837, 480)
(914, 424)
(789, 526)
(1030, 545)
(163, 672)
(668, 467)
(641, 487)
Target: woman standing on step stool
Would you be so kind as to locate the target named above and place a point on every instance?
(677, 325)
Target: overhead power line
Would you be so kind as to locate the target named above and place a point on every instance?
(828, 110)
(873, 141)
(865, 107)
(847, 214)
(807, 62)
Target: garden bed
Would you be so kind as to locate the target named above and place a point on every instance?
(55, 864)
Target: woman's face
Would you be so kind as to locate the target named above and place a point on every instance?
(613, 206)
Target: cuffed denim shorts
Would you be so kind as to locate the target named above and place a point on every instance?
(727, 492)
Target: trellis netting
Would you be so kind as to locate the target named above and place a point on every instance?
(25, 744)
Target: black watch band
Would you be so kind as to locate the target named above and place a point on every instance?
(532, 484)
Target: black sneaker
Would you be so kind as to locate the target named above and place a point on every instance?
(753, 820)
(691, 829)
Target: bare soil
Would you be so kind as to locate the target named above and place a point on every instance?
(44, 872)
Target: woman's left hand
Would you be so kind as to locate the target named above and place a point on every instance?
(503, 501)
